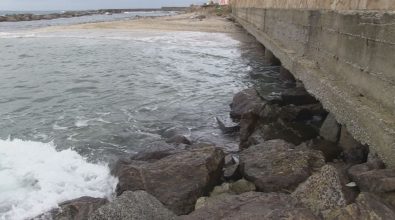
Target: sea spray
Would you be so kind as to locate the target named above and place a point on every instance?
(35, 177)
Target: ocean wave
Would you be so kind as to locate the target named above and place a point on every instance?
(35, 178)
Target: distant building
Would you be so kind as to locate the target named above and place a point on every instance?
(222, 2)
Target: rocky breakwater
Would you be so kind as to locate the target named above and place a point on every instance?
(67, 14)
(295, 162)
(34, 17)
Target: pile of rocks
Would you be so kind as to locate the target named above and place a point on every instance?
(295, 162)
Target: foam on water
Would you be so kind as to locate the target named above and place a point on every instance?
(35, 177)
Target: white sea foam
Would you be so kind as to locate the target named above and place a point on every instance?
(35, 177)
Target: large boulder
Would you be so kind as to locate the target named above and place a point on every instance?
(323, 191)
(138, 205)
(244, 102)
(76, 209)
(330, 129)
(367, 207)
(177, 180)
(251, 206)
(379, 180)
(278, 166)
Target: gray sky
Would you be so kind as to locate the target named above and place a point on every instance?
(34, 5)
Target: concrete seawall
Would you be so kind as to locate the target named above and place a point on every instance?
(343, 51)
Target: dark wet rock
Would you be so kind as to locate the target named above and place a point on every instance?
(354, 152)
(330, 150)
(323, 191)
(138, 205)
(248, 125)
(359, 169)
(251, 206)
(297, 96)
(330, 129)
(231, 172)
(287, 76)
(381, 180)
(244, 102)
(293, 132)
(227, 128)
(231, 167)
(76, 209)
(277, 166)
(155, 151)
(177, 180)
(179, 139)
(2, 18)
(367, 206)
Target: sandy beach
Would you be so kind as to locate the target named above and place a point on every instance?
(180, 22)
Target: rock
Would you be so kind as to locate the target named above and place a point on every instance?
(367, 206)
(244, 102)
(287, 76)
(178, 139)
(382, 180)
(356, 170)
(138, 205)
(330, 150)
(297, 96)
(227, 129)
(251, 206)
(242, 186)
(330, 129)
(354, 152)
(277, 166)
(231, 172)
(322, 191)
(222, 189)
(177, 180)
(155, 151)
(201, 202)
(248, 124)
(76, 209)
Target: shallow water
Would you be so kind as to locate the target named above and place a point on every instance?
(80, 99)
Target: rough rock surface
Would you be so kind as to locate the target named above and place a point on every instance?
(76, 209)
(367, 207)
(330, 150)
(330, 129)
(138, 205)
(277, 166)
(244, 102)
(251, 206)
(322, 191)
(238, 187)
(177, 180)
(382, 180)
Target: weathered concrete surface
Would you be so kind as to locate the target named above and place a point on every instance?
(345, 58)
(317, 4)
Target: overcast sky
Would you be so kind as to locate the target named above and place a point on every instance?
(35, 5)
